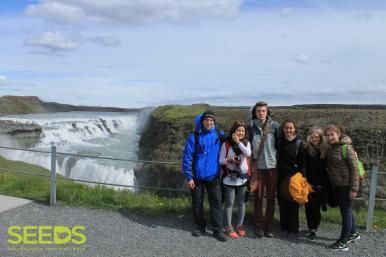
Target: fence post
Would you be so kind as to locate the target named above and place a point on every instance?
(53, 175)
(373, 190)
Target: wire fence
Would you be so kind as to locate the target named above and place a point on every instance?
(371, 205)
(93, 157)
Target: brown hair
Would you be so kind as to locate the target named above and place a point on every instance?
(336, 128)
(259, 104)
(236, 125)
(288, 121)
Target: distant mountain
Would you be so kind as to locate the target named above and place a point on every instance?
(10, 105)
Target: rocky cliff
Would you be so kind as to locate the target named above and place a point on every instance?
(11, 105)
(169, 126)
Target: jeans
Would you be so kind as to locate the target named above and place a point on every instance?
(345, 207)
(266, 179)
(214, 196)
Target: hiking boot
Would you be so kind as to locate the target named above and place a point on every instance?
(268, 231)
(259, 232)
(338, 245)
(311, 235)
(240, 231)
(353, 237)
(198, 232)
(220, 236)
(231, 233)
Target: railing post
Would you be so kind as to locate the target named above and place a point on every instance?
(53, 176)
(373, 190)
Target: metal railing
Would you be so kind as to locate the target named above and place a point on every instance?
(53, 178)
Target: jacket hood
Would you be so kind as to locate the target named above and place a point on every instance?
(345, 140)
(198, 123)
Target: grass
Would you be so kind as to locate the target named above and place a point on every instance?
(73, 194)
(179, 112)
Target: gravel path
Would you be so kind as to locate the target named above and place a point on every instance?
(124, 234)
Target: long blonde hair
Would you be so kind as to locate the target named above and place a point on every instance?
(312, 149)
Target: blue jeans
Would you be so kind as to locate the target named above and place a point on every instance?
(345, 207)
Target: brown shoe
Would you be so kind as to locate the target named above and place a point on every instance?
(259, 231)
(268, 231)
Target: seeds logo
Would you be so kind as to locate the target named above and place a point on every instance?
(48, 236)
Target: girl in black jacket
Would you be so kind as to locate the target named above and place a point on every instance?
(291, 161)
(316, 165)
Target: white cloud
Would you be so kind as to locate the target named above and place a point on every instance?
(5, 82)
(57, 12)
(286, 12)
(134, 12)
(52, 41)
(372, 89)
(107, 41)
(303, 59)
(56, 43)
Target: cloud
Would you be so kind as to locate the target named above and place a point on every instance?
(56, 43)
(286, 12)
(57, 12)
(6, 83)
(52, 42)
(302, 59)
(107, 41)
(133, 12)
(371, 89)
(369, 94)
(364, 16)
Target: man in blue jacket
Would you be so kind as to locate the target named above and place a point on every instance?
(202, 170)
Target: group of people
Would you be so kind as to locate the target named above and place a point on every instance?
(264, 155)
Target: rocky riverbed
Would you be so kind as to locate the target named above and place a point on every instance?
(19, 134)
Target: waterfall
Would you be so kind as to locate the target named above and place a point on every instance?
(107, 134)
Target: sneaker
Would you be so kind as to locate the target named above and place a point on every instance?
(231, 233)
(199, 232)
(338, 245)
(268, 231)
(311, 235)
(353, 237)
(220, 236)
(240, 231)
(259, 231)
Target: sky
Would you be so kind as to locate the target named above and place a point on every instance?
(130, 53)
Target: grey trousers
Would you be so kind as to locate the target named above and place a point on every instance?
(230, 194)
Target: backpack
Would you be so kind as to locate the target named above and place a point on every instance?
(361, 169)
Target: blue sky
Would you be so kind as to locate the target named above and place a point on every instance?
(226, 52)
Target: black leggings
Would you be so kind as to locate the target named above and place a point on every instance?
(313, 207)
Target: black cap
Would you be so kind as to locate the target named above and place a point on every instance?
(208, 114)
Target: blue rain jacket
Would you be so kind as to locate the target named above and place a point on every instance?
(206, 166)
